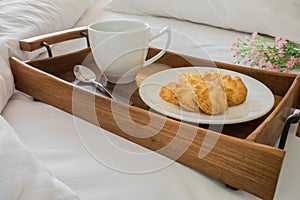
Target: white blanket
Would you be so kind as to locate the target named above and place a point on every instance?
(22, 176)
(25, 18)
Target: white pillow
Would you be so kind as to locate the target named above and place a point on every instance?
(271, 17)
(22, 176)
(25, 18)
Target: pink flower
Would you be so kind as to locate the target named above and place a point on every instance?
(286, 71)
(293, 59)
(262, 62)
(290, 64)
(271, 54)
(278, 38)
(284, 40)
(280, 45)
(281, 53)
(269, 64)
(261, 53)
(250, 44)
(247, 57)
(266, 46)
(254, 50)
(254, 36)
(233, 44)
(276, 68)
(237, 53)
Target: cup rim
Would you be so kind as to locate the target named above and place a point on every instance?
(145, 25)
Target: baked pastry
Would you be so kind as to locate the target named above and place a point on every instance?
(186, 97)
(211, 92)
(213, 76)
(167, 93)
(235, 89)
(190, 78)
(211, 97)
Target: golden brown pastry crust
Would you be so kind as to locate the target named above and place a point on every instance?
(211, 98)
(167, 93)
(191, 78)
(235, 89)
(213, 76)
(211, 92)
(186, 97)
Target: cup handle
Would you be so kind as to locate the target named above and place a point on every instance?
(163, 51)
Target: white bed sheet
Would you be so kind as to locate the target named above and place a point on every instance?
(52, 136)
(188, 38)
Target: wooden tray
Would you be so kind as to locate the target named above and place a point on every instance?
(243, 156)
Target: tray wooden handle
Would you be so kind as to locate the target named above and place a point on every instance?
(34, 43)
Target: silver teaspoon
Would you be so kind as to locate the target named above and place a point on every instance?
(86, 75)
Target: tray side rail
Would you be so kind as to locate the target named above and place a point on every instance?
(37, 42)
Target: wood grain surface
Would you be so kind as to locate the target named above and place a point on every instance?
(34, 43)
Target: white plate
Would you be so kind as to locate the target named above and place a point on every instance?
(260, 99)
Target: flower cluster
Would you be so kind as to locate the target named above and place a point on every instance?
(258, 51)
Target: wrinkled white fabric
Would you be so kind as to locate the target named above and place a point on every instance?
(21, 19)
(22, 177)
(271, 17)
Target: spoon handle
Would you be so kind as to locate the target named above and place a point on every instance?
(111, 94)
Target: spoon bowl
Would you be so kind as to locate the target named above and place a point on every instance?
(86, 75)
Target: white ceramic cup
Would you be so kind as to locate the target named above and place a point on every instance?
(120, 47)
